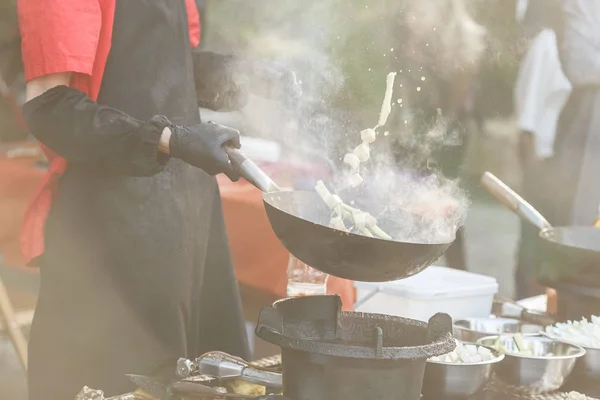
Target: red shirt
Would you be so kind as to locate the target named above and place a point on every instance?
(67, 36)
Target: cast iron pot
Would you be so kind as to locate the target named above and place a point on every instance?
(332, 355)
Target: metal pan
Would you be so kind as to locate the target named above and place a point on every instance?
(297, 218)
(580, 245)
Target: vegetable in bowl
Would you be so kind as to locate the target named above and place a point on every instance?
(466, 353)
(584, 333)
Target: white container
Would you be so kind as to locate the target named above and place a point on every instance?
(458, 293)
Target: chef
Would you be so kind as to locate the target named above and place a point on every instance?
(127, 227)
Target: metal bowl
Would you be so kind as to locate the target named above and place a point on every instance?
(447, 380)
(538, 373)
(473, 329)
(589, 365)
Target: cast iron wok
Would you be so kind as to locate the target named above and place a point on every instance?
(580, 245)
(297, 218)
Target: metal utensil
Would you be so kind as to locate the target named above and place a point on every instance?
(456, 380)
(511, 308)
(547, 370)
(300, 220)
(579, 244)
(473, 329)
(225, 366)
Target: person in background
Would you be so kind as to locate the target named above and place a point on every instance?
(575, 163)
(438, 67)
(127, 227)
(540, 94)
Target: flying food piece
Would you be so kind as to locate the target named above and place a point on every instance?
(386, 106)
(368, 135)
(355, 180)
(352, 160)
(362, 151)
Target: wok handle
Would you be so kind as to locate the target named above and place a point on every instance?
(513, 201)
(250, 171)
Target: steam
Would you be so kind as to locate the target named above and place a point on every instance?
(407, 194)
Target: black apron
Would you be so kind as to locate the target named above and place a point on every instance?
(137, 271)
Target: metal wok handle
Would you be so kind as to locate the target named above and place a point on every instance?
(513, 201)
(250, 171)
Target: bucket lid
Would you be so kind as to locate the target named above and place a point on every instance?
(436, 282)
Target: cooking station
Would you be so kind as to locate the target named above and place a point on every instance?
(330, 354)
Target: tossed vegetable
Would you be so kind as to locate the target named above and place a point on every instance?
(360, 222)
(362, 152)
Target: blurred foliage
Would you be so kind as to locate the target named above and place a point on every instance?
(357, 36)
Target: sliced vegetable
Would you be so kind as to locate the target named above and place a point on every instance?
(584, 333)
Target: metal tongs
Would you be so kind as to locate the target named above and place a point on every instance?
(225, 366)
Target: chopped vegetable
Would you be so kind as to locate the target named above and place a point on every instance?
(368, 135)
(466, 354)
(362, 222)
(355, 180)
(338, 223)
(524, 348)
(584, 333)
(362, 151)
(386, 106)
(352, 160)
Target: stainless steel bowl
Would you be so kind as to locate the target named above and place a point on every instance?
(473, 329)
(446, 380)
(589, 365)
(538, 373)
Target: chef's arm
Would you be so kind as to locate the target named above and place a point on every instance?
(84, 132)
(75, 127)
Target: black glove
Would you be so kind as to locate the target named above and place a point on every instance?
(202, 145)
(96, 136)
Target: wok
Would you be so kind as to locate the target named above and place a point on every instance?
(580, 245)
(298, 218)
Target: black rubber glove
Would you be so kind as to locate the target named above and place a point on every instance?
(96, 136)
(202, 145)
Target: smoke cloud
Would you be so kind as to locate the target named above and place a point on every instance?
(408, 194)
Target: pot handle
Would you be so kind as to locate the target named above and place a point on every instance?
(269, 321)
(438, 326)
